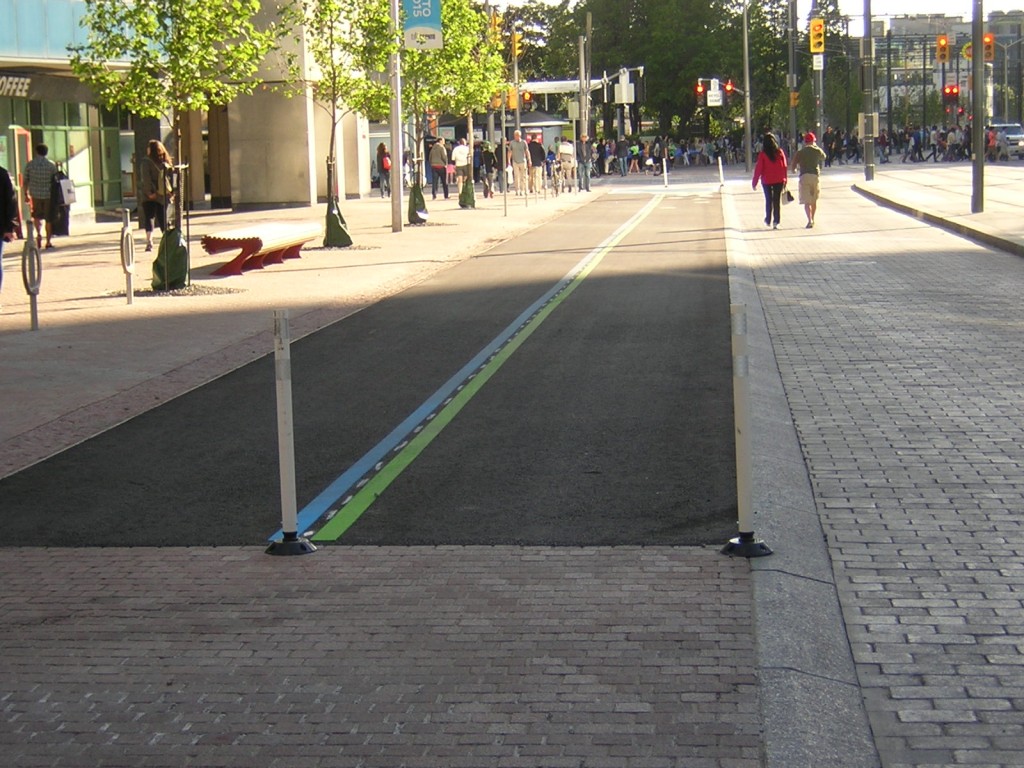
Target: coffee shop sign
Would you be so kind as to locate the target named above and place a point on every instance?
(16, 87)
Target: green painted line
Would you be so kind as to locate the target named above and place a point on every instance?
(368, 494)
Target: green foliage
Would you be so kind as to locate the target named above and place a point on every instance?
(676, 41)
(157, 58)
(349, 45)
(462, 76)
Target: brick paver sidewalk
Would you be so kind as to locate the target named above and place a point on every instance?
(899, 350)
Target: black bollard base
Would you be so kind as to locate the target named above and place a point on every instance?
(291, 544)
(746, 545)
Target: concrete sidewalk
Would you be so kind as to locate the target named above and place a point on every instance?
(885, 630)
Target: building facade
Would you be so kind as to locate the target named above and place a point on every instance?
(261, 151)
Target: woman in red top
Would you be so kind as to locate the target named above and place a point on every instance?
(771, 170)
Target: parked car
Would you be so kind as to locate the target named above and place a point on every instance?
(1011, 140)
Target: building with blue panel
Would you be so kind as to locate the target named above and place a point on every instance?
(261, 151)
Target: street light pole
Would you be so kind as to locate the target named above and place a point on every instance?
(747, 128)
(870, 129)
(978, 108)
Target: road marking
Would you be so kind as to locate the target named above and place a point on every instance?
(351, 494)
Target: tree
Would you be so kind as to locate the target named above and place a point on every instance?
(160, 58)
(349, 44)
(459, 78)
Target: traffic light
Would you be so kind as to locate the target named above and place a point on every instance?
(988, 44)
(526, 97)
(699, 90)
(817, 35)
(517, 44)
(942, 49)
(729, 88)
(951, 94)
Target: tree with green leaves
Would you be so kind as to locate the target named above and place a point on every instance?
(161, 58)
(459, 78)
(349, 45)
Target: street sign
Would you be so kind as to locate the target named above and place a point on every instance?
(818, 61)
(714, 98)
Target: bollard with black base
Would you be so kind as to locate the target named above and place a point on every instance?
(292, 543)
(746, 544)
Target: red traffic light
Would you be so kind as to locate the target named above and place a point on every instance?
(728, 87)
(700, 89)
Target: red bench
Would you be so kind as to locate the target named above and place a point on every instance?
(260, 244)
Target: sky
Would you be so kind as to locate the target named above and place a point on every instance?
(962, 8)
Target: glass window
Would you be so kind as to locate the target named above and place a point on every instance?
(6, 113)
(76, 114)
(19, 112)
(108, 118)
(54, 113)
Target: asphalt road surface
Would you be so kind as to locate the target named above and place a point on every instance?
(572, 386)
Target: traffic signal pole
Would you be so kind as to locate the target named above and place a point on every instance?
(791, 77)
(978, 110)
(870, 129)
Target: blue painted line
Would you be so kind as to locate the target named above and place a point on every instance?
(334, 492)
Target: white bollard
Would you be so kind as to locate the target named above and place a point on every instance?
(292, 543)
(746, 544)
(128, 255)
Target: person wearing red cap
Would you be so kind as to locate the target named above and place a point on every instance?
(808, 160)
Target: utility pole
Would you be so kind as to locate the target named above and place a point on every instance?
(748, 137)
(819, 84)
(978, 109)
(791, 78)
(870, 115)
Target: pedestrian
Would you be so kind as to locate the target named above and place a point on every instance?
(584, 162)
(808, 160)
(622, 155)
(535, 146)
(383, 169)
(438, 159)
(771, 170)
(8, 215)
(566, 152)
(155, 188)
(38, 175)
(462, 159)
(488, 167)
(519, 157)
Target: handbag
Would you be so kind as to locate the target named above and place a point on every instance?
(67, 191)
(787, 196)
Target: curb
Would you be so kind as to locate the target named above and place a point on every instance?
(971, 233)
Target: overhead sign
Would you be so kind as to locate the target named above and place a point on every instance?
(714, 98)
(423, 24)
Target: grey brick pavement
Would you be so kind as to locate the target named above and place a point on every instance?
(384, 657)
(900, 351)
(894, 432)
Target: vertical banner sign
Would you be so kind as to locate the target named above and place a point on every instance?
(422, 24)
